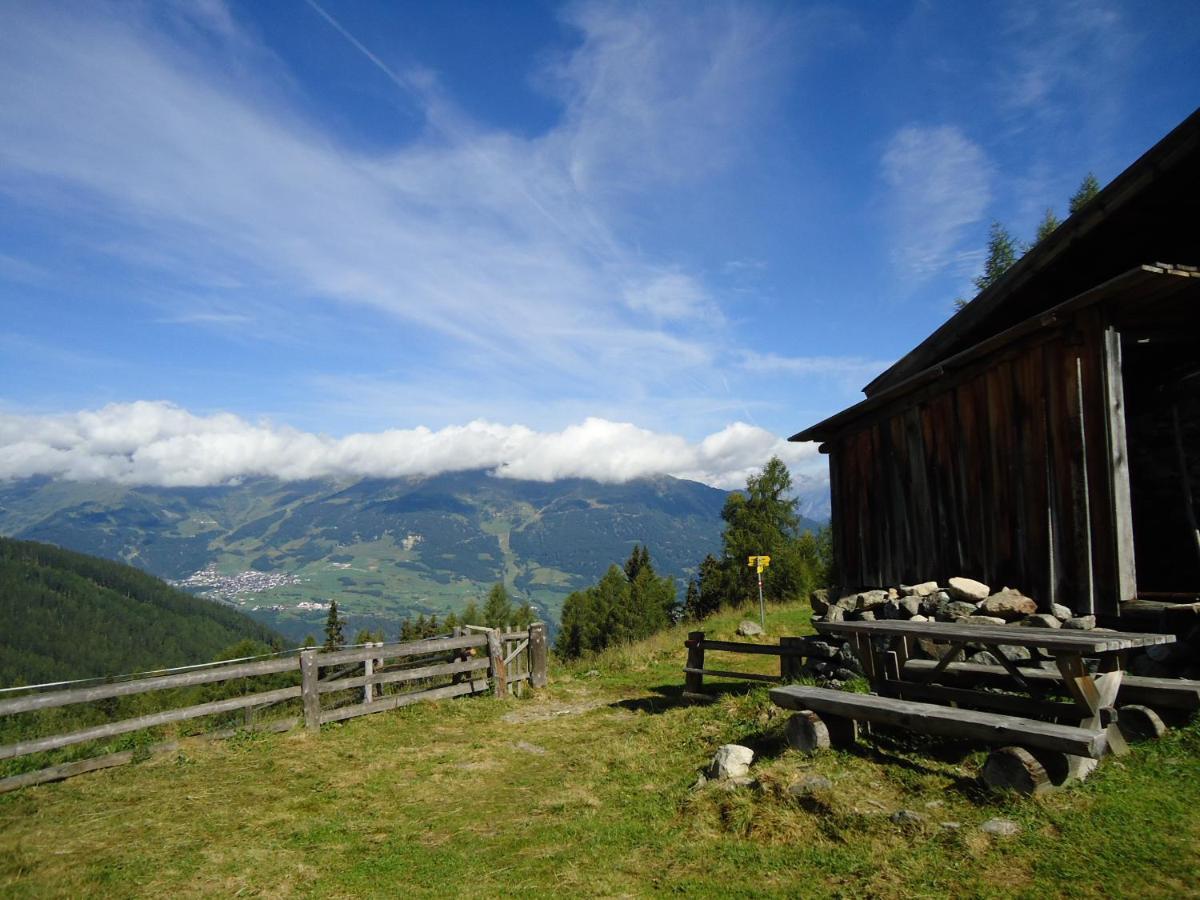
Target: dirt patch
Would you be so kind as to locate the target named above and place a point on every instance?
(543, 712)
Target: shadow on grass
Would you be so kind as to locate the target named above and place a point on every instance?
(671, 696)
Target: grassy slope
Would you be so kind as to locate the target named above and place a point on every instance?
(440, 799)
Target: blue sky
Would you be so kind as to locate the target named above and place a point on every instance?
(603, 239)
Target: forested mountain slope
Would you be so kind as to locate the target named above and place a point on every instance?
(67, 615)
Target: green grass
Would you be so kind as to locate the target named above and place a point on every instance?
(445, 799)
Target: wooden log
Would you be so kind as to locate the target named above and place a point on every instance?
(51, 699)
(395, 701)
(401, 675)
(693, 681)
(496, 655)
(37, 745)
(928, 718)
(806, 732)
(1140, 723)
(1015, 769)
(309, 671)
(721, 673)
(110, 760)
(537, 655)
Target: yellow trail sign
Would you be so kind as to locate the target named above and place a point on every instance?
(760, 562)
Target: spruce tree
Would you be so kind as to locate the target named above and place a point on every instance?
(1046, 227)
(497, 611)
(471, 615)
(1002, 253)
(1088, 189)
(334, 628)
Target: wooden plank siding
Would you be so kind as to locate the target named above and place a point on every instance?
(1008, 470)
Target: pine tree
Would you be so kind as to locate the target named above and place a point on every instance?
(451, 622)
(434, 628)
(1088, 189)
(524, 616)
(471, 615)
(1048, 224)
(407, 632)
(497, 611)
(638, 559)
(309, 641)
(1002, 253)
(334, 628)
(421, 627)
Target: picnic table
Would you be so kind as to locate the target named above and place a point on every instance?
(912, 693)
(885, 647)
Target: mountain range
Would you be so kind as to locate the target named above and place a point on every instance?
(383, 548)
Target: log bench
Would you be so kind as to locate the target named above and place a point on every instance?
(1166, 693)
(932, 718)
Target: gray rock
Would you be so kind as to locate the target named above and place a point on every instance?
(1015, 653)
(847, 602)
(809, 785)
(872, 599)
(950, 826)
(1000, 827)
(1082, 623)
(983, 619)
(820, 649)
(731, 761)
(835, 614)
(924, 589)
(1008, 604)
(955, 609)
(909, 607)
(1041, 620)
(845, 674)
(746, 628)
(864, 615)
(700, 782)
(1060, 612)
(819, 601)
(941, 596)
(968, 590)
(918, 618)
(739, 781)
(984, 658)
(906, 817)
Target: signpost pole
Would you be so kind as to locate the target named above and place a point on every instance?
(762, 611)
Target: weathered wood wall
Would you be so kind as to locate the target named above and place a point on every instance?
(1008, 471)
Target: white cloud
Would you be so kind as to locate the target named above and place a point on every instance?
(157, 443)
(940, 184)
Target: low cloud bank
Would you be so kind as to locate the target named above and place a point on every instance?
(154, 443)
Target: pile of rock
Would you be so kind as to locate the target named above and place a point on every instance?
(961, 600)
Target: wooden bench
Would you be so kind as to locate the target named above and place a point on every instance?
(1167, 693)
(930, 718)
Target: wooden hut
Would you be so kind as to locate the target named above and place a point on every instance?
(1047, 436)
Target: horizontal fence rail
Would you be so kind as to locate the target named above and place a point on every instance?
(475, 661)
(790, 651)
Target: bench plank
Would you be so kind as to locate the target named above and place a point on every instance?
(1083, 643)
(1171, 693)
(929, 718)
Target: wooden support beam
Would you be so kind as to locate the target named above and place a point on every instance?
(537, 655)
(309, 671)
(496, 655)
(693, 681)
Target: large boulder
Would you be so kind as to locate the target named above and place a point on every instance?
(967, 590)
(1042, 620)
(747, 628)
(819, 601)
(1080, 623)
(919, 590)
(909, 606)
(872, 599)
(731, 761)
(1008, 605)
(955, 609)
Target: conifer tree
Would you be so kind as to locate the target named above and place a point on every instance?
(1088, 189)
(433, 628)
(524, 616)
(334, 628)
(497, 611)
(1048, 224)
(421, 627)
(1002, 253)
(451, 622)
(471, 615)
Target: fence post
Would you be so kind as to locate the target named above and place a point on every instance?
(789, 665)
(693, 682)
(308, 690)
(496, 652)
(368, 671)
(537, 655)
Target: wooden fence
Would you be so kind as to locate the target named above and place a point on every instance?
(790, 651)
(468, 662)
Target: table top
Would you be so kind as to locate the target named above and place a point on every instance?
(1063, 640)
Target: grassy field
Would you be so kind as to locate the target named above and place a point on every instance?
(587, 788)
